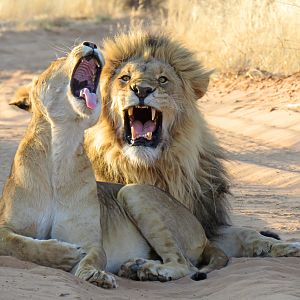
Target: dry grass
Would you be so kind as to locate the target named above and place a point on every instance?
(26, 10)
(232, 36)
(239, 35)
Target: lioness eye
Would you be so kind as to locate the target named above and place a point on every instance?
(162, 79)
(125, 78)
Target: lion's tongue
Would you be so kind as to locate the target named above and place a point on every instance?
(139, 130)
(90, 98)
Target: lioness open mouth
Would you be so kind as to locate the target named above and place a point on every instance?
(142, 126)
(85, 79)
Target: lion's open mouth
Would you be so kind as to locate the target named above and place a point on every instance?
(142, 126)
(85, 79)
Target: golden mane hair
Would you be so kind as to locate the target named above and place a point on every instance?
(190, 166)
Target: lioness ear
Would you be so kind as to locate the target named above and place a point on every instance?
(21, 98)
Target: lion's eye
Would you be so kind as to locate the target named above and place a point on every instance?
(125, 78)
(162, 79)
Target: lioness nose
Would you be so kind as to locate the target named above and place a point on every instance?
(142, 91)
(90, 44)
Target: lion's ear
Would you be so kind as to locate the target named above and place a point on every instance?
(200, 83)
(21, 98)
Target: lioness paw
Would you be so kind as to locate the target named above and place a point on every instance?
(96, 277)
(105, 280)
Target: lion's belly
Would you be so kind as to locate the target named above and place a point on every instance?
(121, 242)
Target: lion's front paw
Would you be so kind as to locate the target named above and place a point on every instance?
(96, 277)
(131, 267)
(152, 270)
(161, 272)
(286, 249)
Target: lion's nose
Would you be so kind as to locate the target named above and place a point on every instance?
(142, 91)
(90, 44)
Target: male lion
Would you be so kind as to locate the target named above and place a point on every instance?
(151, 131)
(51, 201)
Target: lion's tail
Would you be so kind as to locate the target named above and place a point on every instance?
(214, 258)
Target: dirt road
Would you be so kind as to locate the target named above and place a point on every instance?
(255, 124)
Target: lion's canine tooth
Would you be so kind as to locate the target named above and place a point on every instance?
(148, 136)
(130, 111)
(153, 111)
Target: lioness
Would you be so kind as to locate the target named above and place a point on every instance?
(51, 201)
(51, 191)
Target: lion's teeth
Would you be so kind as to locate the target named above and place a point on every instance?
(148, 136)
(130, 111)
(153, 111)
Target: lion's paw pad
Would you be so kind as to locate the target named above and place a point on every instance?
(155, 272)
(150, 270)
(131, 268)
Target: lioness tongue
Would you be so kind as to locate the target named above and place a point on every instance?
(139, 129)
(90, 98)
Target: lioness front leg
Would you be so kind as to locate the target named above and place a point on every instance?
(49, 253)
(89, 269)
(83, 228)
(153, 212)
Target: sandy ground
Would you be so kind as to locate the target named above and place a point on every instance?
(261, 135)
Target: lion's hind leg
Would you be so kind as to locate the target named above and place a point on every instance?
(245, 242)
(285, 249)
(213, 258)
(49, 253)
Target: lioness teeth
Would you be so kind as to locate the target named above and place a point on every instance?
(153, 112)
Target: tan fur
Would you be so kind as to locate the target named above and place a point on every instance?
(51, 186)
(187, 163)
(52, 193)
